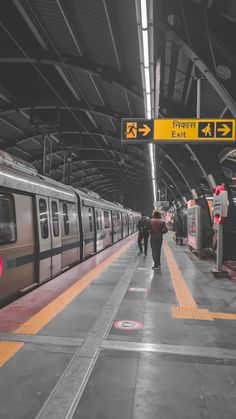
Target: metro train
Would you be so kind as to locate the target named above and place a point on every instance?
(47, 227)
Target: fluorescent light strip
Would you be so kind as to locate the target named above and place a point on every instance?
(152, 160)
(147, 87)
(147, 79)
(154, 190)
(148, 101)
(145, 48)
(144, 22)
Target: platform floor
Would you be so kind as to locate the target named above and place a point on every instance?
(113, 339)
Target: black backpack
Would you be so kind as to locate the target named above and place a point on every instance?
(144, 226)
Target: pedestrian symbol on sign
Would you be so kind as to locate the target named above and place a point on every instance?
(131, 130)
(206, 129)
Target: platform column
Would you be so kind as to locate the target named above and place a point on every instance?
(219, 256)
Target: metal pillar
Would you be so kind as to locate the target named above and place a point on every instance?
(219, 255)
(199, 97)
(64, 169)
(50, 158)
(44, 155)
(69, 160)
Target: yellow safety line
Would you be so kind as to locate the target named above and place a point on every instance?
(188, 308)
(8, 350)
(182, 291)
(40, 319)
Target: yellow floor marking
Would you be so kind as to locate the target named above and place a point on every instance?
(226, 316)
(40, 319)
(188, 308)
(191, 313)
(8, 350)
(183, 293)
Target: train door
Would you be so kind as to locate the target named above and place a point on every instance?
(17, 244)
(44, 236)
(99, 230)
(89, 231)
(56, 236)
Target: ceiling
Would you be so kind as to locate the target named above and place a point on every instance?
(70, 70)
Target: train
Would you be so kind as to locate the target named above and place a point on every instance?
(47, 227)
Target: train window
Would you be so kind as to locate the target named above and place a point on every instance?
(114, 219)
(118, 219)
(125, 219)
(43, 217)
(7, 219)
(107, 220)
(90, 218)
(97, 220)
(55, 218)
(65, 219)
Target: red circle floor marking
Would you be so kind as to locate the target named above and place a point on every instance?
(137, 289)
(128, 325)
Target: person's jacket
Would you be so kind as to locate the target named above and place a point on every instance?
(143, 225)
(157, 228)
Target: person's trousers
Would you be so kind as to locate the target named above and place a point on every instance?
(143, 236)
(156, 250)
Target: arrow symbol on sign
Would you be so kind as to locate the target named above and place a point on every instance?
(146, 130)
(225, 129)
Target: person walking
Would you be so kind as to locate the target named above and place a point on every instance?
(157, 229)
(143, 227)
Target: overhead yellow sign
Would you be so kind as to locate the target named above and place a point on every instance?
(178, 130)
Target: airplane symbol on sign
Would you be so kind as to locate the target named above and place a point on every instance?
(146, 130)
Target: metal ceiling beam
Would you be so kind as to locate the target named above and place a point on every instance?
(179, 171)
(172, 74)
(218, 87)
(172, 181)
(96, 109)
(170, 190)
(63, 7)
(12, 143)
(187, 146)
(105, 73)
(113, 40)
(30, 23)
(105, 182)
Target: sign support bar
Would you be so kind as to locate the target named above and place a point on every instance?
(219, 256)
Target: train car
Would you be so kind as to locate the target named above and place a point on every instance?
(47, 227)
(102, 222)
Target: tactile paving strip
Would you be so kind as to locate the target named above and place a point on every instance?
(183, 293)
(188, 308)
(191, 313)
(8, 350)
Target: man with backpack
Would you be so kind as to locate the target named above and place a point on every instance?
(143, 227)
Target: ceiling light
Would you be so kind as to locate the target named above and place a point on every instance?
(149, 115)
(143, 5)
(147, 79)
(148, 101)
(145, 48)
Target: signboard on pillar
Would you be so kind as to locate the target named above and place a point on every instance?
(178, 130)
(194, 239)
(220, 211)
(220, 204)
